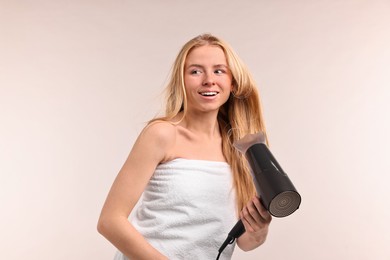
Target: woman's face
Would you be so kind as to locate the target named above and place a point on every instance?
(207, 79)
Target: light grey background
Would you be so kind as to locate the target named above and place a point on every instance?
(79, 79)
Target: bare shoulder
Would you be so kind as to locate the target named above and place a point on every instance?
(161, 131)
(159, 136)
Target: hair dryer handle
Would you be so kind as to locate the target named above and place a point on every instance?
(237, 230)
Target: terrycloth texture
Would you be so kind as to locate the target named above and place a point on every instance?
(187, 210)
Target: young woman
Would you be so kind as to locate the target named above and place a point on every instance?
(192, 184)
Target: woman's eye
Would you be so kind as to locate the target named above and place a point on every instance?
(219, 71)
(194, 72)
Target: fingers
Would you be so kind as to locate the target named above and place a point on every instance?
(262, 211)
(254, 216)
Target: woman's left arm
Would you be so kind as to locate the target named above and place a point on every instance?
(256, 220)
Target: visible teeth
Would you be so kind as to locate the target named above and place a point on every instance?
(208, 93)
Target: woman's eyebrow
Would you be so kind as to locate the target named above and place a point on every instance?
(220, 65)
(195, 65)
(201, 66)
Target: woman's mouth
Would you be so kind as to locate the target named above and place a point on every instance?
(209, 93)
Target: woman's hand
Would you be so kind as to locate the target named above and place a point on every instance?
(256, 220)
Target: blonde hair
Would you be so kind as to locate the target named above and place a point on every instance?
(240, 115)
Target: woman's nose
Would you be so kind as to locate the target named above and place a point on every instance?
(208, 79)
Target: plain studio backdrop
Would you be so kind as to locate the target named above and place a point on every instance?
(79, 80)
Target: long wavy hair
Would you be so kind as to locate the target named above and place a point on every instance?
(240, 115)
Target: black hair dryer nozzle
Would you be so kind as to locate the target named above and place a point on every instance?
(277, 193)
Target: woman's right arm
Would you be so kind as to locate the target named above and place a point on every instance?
(151, 148)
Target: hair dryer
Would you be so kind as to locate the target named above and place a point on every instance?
(277, 193)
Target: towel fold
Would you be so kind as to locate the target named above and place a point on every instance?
(187, 209)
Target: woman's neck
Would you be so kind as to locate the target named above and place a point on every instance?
(202, 124)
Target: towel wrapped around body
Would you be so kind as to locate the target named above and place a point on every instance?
(187, 209)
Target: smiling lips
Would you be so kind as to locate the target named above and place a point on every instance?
(209, 93)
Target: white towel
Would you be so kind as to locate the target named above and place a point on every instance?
(187, 209)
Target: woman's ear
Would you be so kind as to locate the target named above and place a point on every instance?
(233, 87)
